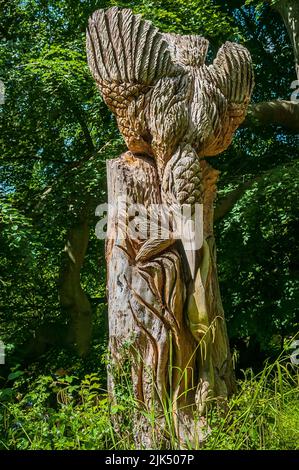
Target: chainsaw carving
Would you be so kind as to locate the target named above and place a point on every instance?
(173, 110)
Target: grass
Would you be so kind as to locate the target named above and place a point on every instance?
(65, 411)
(263, 415)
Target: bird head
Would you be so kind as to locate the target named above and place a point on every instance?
(188, 50)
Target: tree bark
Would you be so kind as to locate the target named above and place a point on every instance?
(72, 297)
(289, 10)
(177, 354)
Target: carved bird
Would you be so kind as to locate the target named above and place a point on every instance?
(169, 104)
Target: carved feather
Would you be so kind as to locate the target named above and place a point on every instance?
(124, 48)
(232, 72)
(152, 248)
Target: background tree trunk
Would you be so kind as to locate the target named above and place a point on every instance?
(177, 363)
(72, 297)
(289, 10)
(281, 112)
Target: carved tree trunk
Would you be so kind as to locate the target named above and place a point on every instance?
(165, 314)
(177, 363)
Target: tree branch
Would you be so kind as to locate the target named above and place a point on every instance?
(226, 204)
(279, 112)
(78, 113)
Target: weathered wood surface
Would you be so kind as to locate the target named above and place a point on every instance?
(175, 356)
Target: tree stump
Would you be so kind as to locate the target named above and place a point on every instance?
(176, 366)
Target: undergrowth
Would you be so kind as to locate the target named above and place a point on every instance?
(64, 410)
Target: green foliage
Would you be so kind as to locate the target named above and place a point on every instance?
(263, 414)
(200, 17)
(78, 420)
(63, 411)
(257, 258)
(54, 404)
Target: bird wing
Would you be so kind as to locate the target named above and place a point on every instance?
(232, 75)
(233, 72)
(126, 55)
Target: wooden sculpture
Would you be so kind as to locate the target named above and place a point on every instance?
(165, 311)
